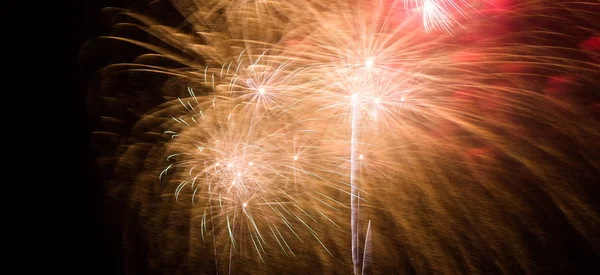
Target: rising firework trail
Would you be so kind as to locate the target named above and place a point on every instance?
(354, 190)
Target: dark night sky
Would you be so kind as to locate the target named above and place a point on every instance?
(74, 238)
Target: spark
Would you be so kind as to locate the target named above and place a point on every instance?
(369, 63)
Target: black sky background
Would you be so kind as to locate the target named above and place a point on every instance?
(87, 244)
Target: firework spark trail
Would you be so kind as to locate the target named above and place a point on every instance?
(434, 123)
(354, 190)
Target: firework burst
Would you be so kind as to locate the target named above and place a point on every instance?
(242, 175)
(415, 122)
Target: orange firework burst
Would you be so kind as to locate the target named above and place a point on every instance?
(431, 125)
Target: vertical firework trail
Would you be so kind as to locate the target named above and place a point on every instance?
(354, 190)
